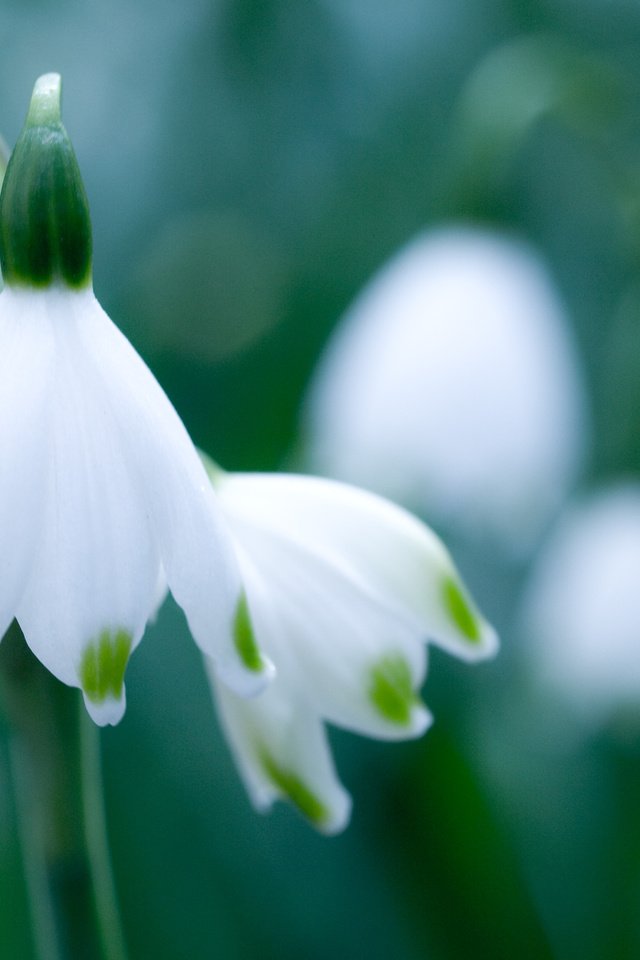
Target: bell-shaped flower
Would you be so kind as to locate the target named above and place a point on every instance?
(452, 386)
(103, 498)
(344, 591)
(582, 606)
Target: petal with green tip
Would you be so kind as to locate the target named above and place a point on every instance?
(281, 750)
(380, 546)
(101, 673)
(96, 561)
(198, 559)
(459, 609)
(391, 690)
(244, 638)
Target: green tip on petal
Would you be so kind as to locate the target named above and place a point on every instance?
(295, 791)
(459, 610)
(45, 228)
(103, 665)
(391, 691)
(244, 639)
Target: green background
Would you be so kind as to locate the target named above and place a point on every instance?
(249, 165)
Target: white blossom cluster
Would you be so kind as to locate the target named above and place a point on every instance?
(311, 600)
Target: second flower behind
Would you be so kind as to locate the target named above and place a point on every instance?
(344, 591)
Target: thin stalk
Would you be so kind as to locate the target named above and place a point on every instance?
(95, 827)
(35, 871)
(64, 843)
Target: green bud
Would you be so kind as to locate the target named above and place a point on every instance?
(45, 228)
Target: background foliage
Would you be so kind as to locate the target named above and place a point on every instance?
(249, 164)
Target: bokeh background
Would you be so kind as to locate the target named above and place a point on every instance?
(250, 165)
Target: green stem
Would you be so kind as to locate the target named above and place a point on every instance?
(64, 844)
(35, 870)
(95, 826)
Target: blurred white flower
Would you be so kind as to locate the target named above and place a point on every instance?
(103, 498)
(452, 386)
(344, 590)
(581, 612)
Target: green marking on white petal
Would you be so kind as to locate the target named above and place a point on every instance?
(103, 665)
(244, 639)
(459, 610)
(391, 690)
(295, 791)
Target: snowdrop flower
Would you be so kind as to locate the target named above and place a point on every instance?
(102, 495)
(452, 386)
(582, 608)
(344, 589)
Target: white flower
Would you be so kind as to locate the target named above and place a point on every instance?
(582, 609)
(103, 498)
(452, 386)
(344, 590)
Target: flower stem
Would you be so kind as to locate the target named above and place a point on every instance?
(60, 811)
(97, 842)
(42, 914)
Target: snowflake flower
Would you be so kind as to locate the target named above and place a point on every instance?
(343, 590)
(102, 495)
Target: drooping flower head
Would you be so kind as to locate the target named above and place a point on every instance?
(103, 498)
(452, 385)
(345, 590)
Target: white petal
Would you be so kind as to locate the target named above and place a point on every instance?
(95, 567)
(352, 660)
(198, 560)
(281, 751)
(26, 353)
(386, 551)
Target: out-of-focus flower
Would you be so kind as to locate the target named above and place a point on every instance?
(103, 497)
(344, 590)
(452, 386)
(581, 612)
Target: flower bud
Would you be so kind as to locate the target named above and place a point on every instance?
(45, 228)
